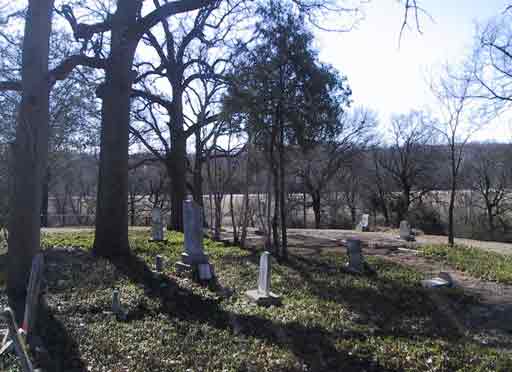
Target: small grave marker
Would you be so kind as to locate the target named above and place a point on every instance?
(263, 296)
(157, 225)
(355, 256)
(405, 231)
(364, 223)
(159, 264)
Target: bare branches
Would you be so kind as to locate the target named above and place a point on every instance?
(412, 6)
(11, 86)
(62, 71)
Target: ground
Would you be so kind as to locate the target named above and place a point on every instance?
(330, 320)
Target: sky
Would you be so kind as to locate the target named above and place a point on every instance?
(390, 78)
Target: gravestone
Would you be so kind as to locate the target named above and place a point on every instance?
(32, 305)
(159, 264)
(364, 223)
(33, 298)
(444, 279)
(405, 231)
(116, 302)
(263, 296)
(355, 256)
(157, 225)
(14, 340)
(193, 258)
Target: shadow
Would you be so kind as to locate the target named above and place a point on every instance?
(63, 351)
(382, 302)
(311, 344)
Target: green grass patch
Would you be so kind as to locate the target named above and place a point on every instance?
(477, 262)
(329, 321)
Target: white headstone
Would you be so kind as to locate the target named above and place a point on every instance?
(157, 225)
(364, 221)
(262, 295)
(264, 274)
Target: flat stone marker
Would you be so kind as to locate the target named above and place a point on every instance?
(405, 231)
(194, 258)
(263, 296)
(157, 225)
(443, 280)
(355, 256)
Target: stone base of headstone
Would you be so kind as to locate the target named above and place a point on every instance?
(361, 228)
(262, 299)
(197, 271)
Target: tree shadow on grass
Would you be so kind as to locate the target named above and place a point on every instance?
(389, 304)
(311, 344)
(63, 351)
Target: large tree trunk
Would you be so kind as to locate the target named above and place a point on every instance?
(198, 167)
(45, 197)
(178, 162)
(111, 238)
(30, 152)
(177, 168)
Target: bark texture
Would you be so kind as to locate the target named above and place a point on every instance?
(30, 153)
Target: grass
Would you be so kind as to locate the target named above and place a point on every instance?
(477, 262)
(329, 321)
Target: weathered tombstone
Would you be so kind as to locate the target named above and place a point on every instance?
(116, 302)
(364, 223)
(32, 303)
(159, 264)
(263, 296)
(355, 257)
(33, 299)
(157, 225)
(193, 258)
(405, 231)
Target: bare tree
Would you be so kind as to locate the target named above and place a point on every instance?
(490, 64)
(491, 179)
(456, 127)
(319, 164)
(408, 160)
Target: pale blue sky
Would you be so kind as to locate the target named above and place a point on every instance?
(393, 80)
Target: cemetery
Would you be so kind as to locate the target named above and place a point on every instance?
(245, 186)
(311, 313)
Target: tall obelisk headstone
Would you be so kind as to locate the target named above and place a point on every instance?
(194, 258)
